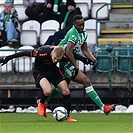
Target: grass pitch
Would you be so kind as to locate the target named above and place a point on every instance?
(87, 123)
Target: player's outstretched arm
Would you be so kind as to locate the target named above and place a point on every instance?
(5, 59)
(83, 59)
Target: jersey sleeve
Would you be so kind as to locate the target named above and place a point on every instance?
(38, 53)
(34, 53)
(42, 52)
(73, 37)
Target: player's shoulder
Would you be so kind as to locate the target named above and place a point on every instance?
(45, 48)
(73, 33)
(73, 30)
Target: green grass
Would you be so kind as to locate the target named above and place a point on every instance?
(87, 123)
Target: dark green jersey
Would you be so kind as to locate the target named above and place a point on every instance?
(76, 38)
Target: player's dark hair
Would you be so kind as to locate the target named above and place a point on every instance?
(77, 17)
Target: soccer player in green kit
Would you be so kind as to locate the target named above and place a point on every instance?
(76, 37)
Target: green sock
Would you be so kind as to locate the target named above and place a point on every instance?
(54, 93)
(94, 96)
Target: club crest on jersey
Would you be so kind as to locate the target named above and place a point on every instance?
(74, 37)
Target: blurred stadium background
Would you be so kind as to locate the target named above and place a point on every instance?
(109, 24)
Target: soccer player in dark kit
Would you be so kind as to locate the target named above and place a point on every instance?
(46, 72)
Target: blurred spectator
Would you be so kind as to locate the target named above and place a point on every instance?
(60, 7)
(9, 25)
(42, 10)
(67, 24)
(39, 10)
(48, 10)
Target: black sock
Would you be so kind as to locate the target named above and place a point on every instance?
(43, 98)
(67, 103)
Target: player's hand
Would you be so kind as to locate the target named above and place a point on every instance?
(74, 73)
(4, 60)
(94, 63)
(87, 61)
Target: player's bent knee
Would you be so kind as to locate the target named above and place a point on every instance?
(47, 92)
(86, 82)
(66, 92)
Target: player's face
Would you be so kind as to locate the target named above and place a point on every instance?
(79, 25)
(54, 57)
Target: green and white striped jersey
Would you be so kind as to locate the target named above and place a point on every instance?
(76, 38)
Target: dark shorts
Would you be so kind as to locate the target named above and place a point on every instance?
(55, 76)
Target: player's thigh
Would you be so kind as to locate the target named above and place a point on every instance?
(82, 79)
(46, 86)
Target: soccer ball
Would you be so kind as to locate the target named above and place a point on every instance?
(60, 113)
